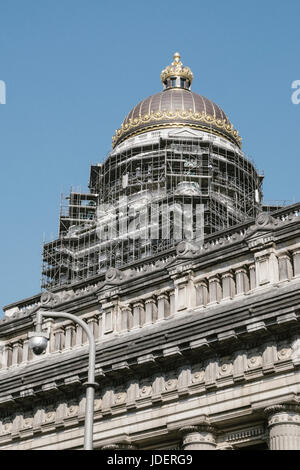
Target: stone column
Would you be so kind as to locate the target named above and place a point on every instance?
(6, 356)
(70, 336)
(284, 427)
(200, 437)
(16, 353)
(100, 325)
(201, 293)
(228, 286)
(215, 290)
(49, 328)
(242, 282)
(252, 276)
(150, 311)
(84, 335)
(138, 315)
(78, 335)
(172, 302)
(126, 315)
(93, 325)
(285, 267)
(163, 306)
(25, 351)
(296, 263)
(59, 334)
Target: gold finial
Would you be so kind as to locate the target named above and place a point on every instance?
(177, 69)
(177, 59)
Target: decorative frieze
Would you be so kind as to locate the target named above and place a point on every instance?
(189, 379)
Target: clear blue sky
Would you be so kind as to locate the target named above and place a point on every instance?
(74, 69)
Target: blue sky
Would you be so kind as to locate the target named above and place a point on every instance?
(74, 69)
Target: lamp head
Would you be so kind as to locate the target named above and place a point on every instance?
(38, 342)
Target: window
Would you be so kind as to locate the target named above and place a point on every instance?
(173, 81)
(182, 82)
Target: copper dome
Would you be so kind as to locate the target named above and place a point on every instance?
(176, 106)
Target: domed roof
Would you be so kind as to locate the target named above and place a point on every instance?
(176, 106)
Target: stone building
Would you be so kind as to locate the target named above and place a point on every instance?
(189, 283)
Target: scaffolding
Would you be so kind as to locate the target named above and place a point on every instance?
(139, 197)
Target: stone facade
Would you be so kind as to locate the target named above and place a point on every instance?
(199, 349)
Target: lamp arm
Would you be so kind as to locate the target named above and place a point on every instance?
(84, 326)
(90, 385)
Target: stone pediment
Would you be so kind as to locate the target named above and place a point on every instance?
(261, 232)
(185, 132)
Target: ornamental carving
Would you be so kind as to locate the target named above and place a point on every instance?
(284, 418)
(98, 404)
(6, 426)
(199, 437)
(254, 359)
(296, 348)
(145, 388)
(177, 69)
(284, 352)
(170, 383)
(195, 120)
(120, 397)
(49, 414)
(225, 366)
(26, 420)
(72, 409)
(198, 373)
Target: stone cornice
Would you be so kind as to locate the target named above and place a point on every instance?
(190, 334)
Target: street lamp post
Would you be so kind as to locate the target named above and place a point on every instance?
(38, 342)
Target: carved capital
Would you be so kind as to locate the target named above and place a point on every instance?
(282, 408)
(163, 296)
(198, 428)
(228, 274)
(111, 447)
